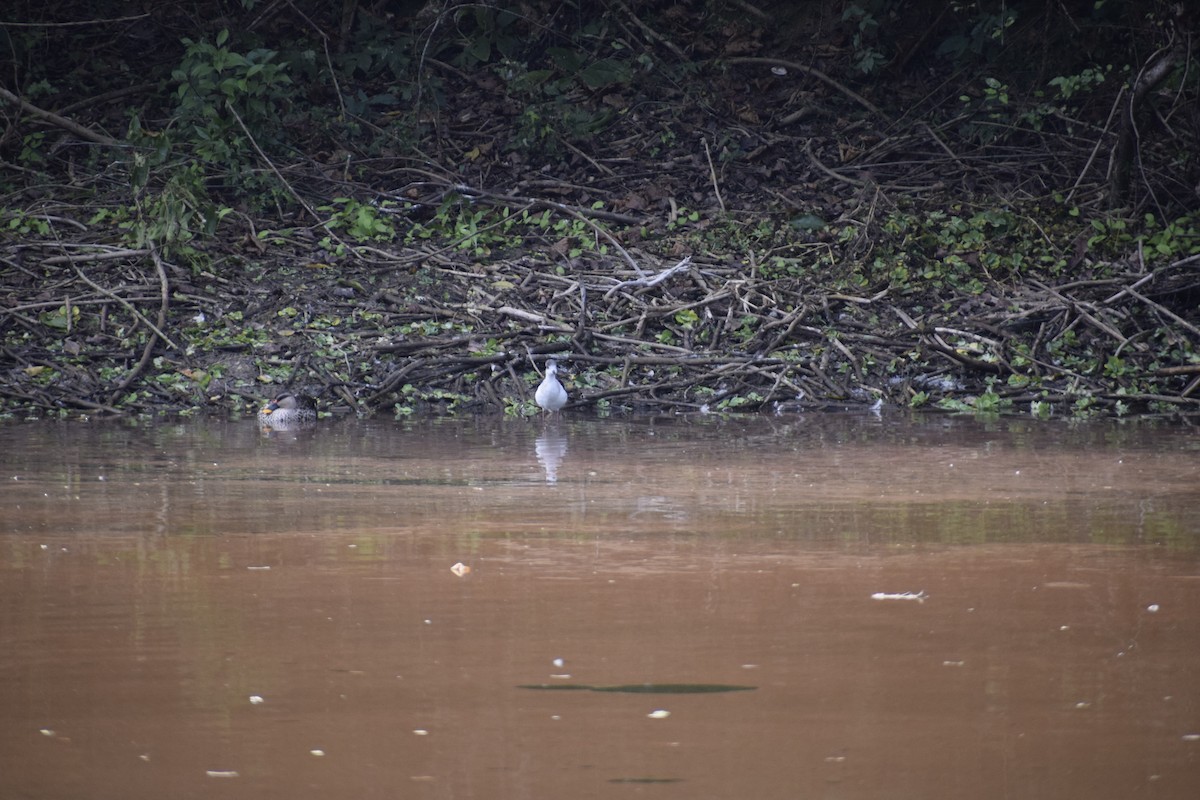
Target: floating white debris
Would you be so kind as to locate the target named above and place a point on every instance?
(1152, 608)
(954, 663)
(558, 662)
(144, 756)
(221, 773)
(317, 752)
(421, 732)
(258, 567)
(918, 596)
(660, 713)
(561, 676)
(460, 569)
(1191, 737)
(1082, 704)
(750, 666)
(46, 732)
(255, 699)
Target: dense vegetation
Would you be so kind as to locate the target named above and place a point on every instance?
(695, 204)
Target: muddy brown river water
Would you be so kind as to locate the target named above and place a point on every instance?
(840, 606)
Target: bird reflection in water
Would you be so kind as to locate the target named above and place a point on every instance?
(551, 448)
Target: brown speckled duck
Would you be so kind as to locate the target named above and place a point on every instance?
(288, 411)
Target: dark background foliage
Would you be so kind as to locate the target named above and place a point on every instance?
(971, 162)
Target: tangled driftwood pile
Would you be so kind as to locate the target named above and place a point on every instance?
(119, 328)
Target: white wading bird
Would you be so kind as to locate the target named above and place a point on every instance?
(550, 394)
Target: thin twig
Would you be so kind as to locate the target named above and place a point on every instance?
(166, 339)
(712, 173)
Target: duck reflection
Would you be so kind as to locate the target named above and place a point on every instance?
(551, 448)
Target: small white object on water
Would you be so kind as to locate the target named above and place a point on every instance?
(421, 732)
(920, 597)
(1191, 737)
(221, 773)
(1082, 704)
(256, 700)
(660, 713)
(47, 732)
(317, 752)
(460, 569)
(258, 567)
(558, 662)
(1152, 608)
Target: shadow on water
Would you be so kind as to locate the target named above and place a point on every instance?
(502, 608)
(645, 688)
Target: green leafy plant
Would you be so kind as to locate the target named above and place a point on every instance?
(362, 222)
(223, 99)
(21, 224)
(867, 57)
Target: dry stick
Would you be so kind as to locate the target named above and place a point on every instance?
(469, 191)
(129, 307)
(392, 380)
(538, 319)
(148, 351)
(278, 175)
(1112, 112)
(14, 310)
(712, 173)
(606, 170)
(794, 319)
(652, 34)
(1164, 311)
(1181, 262)
(55, 119)
(942, 145)
(1078, 308)
(751, 9)
(816, 73)
(84, 258)
(644, 282)
(835, 175)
